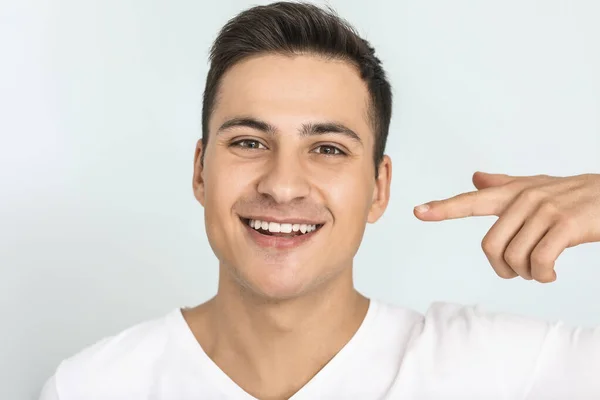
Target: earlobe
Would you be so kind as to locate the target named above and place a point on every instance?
(381, 191)
(198, 178)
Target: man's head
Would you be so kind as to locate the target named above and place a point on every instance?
(295, 119)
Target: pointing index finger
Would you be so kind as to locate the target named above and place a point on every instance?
(489, 201)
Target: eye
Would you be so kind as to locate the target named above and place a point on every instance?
(248, 144)
(329, 150)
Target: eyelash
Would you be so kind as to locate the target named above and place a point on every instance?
(334, 148)
(240, 143)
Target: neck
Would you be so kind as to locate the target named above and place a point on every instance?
(272, 348)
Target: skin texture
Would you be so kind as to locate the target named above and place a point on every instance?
(274, 304)
(287, 175)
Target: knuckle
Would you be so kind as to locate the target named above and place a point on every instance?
(489, 246)
(512, 257)
(539, 259)
(550, 208)
(531, 195)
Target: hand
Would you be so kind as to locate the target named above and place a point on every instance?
(539, 217)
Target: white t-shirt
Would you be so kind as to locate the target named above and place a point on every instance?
(451, 352)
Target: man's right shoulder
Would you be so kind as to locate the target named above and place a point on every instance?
(121, 363)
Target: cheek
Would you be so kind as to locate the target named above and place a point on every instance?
(347, 190)
(349, 199)
(224, 183)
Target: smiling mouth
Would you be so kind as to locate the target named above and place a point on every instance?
(280, 229)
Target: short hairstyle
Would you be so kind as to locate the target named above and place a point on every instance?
(299, 28)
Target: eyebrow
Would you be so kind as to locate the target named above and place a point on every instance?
(307, 129)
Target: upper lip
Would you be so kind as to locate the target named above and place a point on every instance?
(286, 220)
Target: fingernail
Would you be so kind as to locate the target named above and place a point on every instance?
(423, 208)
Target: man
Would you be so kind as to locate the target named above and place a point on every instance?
(289, 170)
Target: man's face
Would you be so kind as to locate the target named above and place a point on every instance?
(288, 182)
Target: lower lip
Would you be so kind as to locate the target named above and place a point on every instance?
(278, 242)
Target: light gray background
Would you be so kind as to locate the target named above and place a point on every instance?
(100, 111)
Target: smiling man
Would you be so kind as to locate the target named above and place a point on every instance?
(286, 174)
(289, 170)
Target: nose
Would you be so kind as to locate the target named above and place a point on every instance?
(285, 180)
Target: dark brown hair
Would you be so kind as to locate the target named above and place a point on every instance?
(296, 28)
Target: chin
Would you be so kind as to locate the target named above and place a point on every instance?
(274, 282)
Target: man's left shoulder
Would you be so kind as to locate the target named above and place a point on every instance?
(471, 320)
(471, 337)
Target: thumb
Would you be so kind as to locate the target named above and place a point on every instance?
(483, 180)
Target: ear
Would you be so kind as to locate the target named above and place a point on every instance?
(381, 191)
(198, 178)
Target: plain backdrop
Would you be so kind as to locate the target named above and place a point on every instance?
(100, 111)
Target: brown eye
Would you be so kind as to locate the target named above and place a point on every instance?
(249, 144)
(329, 150)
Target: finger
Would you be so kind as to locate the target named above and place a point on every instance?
(499, 238)
(493, 249)
(518, 253)
(544, 255)
(484, 180)
(490, 201)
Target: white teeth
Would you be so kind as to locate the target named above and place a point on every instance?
(286, 228)
(276, 227)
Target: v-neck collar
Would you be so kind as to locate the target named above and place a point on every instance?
(194, 350)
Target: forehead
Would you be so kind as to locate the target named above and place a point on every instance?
(288, 91)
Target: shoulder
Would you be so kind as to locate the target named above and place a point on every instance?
(466, 351)
(392, 326)
(120, 363)
(456, 328)
(394, 318)
(471, 331)
(461, 321)
(467, 343)
(452, 325)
